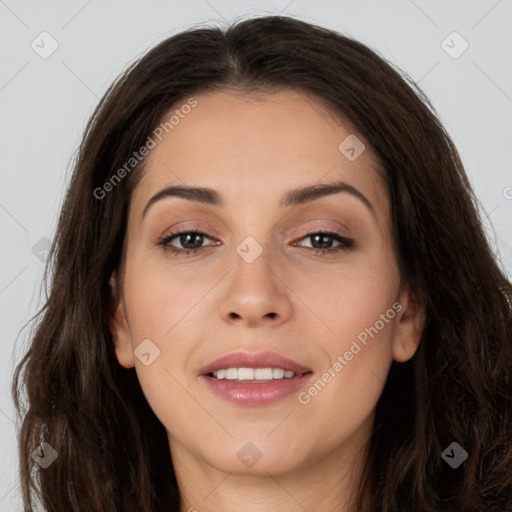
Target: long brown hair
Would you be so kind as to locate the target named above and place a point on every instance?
(112, 450)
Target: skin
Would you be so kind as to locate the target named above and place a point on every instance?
(252, 150)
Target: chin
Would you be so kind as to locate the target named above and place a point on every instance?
(256, 458)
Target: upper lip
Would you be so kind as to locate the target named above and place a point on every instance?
(254, 360)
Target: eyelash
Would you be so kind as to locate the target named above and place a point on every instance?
(346, 243)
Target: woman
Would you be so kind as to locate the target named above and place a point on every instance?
(271, 290)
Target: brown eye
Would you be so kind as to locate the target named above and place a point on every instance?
(322, 241)
(191, 241)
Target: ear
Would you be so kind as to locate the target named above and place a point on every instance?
(119, 327)
(408, 330)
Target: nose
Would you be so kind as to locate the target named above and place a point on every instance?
(257, 293)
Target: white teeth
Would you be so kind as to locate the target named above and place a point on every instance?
(231, 373)
(262, 373)
(278, 373)
(253, 374)
(245, 373)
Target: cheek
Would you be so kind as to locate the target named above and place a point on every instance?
(351, 298)
(162, 302)
(164, 310)
(356, 337)
(358, 356)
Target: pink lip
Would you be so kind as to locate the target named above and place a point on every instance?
(253, 393)
(254, 360)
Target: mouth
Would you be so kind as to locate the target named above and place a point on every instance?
(254, 379)
(254, 366)
(254, 375)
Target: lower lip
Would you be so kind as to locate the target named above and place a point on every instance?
(256, 393)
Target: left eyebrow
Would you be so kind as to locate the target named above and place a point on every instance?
(293, 197)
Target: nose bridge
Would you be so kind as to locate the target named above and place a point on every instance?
(255, 291)
(253, 263)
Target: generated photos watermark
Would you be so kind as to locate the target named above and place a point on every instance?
(304, 397)
(138, 156)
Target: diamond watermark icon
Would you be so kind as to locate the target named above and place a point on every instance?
(44, 455)
(249, 249)
(351, 147)
(454, 45)
(44, 45)
(147, 352)
(454, 455)
(249, 454)
(41, 249)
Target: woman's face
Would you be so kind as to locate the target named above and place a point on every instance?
(265, 279)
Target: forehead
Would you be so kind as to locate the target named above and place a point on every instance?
(258, 146)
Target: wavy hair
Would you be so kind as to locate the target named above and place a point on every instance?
(112, 450)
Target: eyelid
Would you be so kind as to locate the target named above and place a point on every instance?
(322, 225)
(190, 226)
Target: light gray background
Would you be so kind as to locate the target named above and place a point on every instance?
(45, 104)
